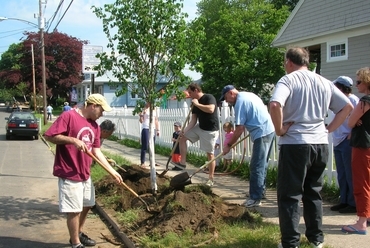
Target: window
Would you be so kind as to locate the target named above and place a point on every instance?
(337, 51)
(135, 92)
(136, 96)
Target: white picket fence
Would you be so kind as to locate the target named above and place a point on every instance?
(128, 126)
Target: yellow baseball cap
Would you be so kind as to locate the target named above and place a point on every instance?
(99, 100)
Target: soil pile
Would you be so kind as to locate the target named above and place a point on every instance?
(194, 207)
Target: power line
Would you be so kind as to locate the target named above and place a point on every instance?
(1, 37)
(10, 31)
(54, 15)
(63, 15)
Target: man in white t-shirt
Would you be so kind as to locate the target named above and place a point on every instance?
(49, 111)
(298, 107)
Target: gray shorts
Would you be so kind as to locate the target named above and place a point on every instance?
(207, 139)
(73, 196)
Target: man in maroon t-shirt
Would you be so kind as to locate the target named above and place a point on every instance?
(74, 133)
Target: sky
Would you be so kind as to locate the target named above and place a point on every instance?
(79, 21)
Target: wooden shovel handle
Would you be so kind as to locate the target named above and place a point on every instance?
(177, 141)
(104, 167)
(219, 155)
(183, 127)
(99, 162)
(122, 183)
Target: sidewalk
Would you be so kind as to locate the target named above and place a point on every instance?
(232, 189)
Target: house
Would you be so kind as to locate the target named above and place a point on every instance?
(107, 85)
(336, 32)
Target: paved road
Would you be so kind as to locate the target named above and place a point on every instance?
(29, 214)
(28, 198)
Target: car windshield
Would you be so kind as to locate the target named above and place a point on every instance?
(21, 115)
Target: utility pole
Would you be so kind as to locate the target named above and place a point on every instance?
(41, 27)
(34, 80)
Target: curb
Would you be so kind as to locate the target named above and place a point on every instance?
(112, 225)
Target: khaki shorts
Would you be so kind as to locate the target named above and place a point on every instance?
(207, 139)
(73, 196)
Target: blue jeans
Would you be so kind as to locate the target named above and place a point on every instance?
(144, 144)
(343, 154)
(300, 177)
(258, 165)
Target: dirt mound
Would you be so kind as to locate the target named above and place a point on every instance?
(193, 208)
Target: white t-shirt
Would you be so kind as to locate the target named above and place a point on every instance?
(49, 109)
(342, 132)
(146, 121)
(306, 98)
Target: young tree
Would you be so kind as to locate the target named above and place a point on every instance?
(150, 42)
(238, 46)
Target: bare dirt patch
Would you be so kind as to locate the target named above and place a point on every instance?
(193, 208)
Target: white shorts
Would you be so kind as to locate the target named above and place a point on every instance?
(229, 155)
(207, 139)
(73, 196)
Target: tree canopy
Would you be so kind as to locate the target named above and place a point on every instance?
(63, 62)
(238, 48)
(149, 42)
(281, 3)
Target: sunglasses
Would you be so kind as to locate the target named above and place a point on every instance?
(358, 82)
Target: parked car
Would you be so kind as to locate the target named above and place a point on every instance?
(22, 124)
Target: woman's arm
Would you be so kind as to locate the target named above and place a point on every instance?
(356, 114)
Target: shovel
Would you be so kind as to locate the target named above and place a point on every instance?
(122, 183)
(176, 143)
(183, 179)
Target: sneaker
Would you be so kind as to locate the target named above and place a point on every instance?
(263, 195)
(85, 240)
(178, 166)
(348, 210)
(316, 245)
(79, 246)
(338, 207)
(252, 203)
(210, 183)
